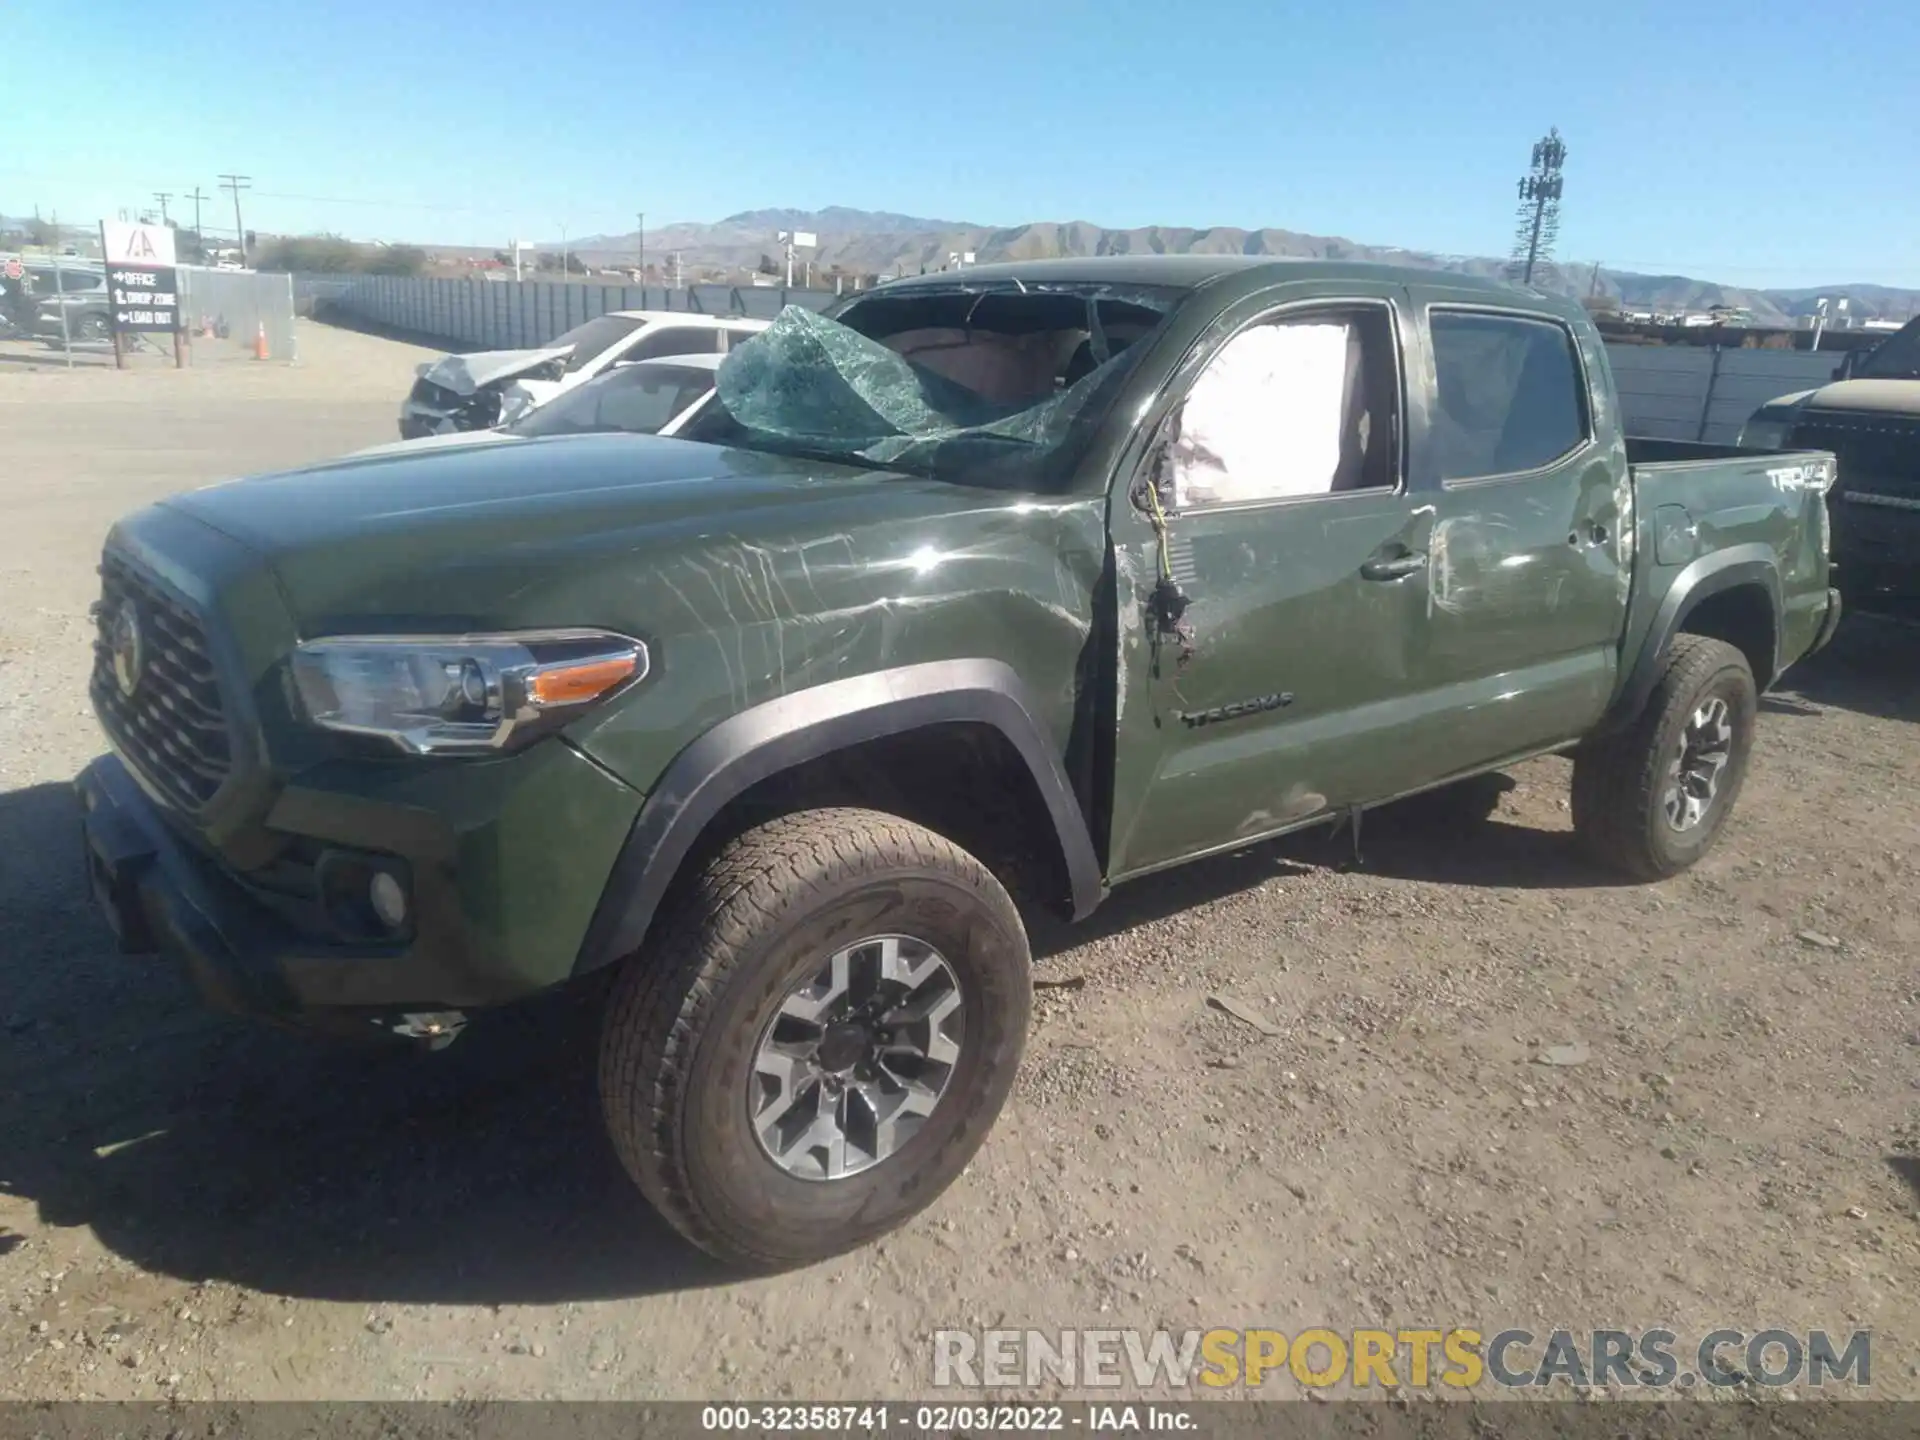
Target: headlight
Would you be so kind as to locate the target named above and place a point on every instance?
(461, 694)
(1765, 432)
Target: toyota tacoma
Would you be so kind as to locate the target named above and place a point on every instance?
(979, 596)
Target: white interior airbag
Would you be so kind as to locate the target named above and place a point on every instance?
(1264, 418)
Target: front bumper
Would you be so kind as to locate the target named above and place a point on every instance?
(499, 900)
(417, 420)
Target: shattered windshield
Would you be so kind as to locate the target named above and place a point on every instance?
(1000, 384)
(1895, 358)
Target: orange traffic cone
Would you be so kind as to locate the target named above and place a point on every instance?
(260, 342)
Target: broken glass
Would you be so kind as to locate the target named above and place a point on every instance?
(816, 386)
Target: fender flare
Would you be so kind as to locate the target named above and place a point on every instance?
(1730, 569)
(767, 739)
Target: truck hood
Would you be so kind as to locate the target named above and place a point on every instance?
(464, 374)
(561, 531)
(1865, 397)
(450, 440)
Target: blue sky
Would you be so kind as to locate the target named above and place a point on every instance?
(1765, 143)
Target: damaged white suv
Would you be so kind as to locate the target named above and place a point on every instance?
(494, 387)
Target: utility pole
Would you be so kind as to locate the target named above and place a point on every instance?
(197, 197)
(163, 196)
(237, 183)
(1593, 284)
(641, 241)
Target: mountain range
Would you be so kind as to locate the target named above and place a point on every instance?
(868, 242)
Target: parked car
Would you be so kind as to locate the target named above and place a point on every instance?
(78, 287)
(637, 397)
(491, 387)
(1869, 417)
(987, 593)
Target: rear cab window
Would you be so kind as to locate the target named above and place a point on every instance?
(1511, 397)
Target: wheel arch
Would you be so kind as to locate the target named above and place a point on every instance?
(768, 740)
(1731, 595)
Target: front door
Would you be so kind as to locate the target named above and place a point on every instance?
(1271, 587)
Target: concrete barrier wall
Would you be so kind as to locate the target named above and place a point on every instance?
(1669, 392)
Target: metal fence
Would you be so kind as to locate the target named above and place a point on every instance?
(1669, 392)
(1677, 392)
(250, 311)
(512, 315)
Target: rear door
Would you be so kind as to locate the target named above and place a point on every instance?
(1294, 549)
(1528, 563)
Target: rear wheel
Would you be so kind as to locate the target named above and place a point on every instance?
(1651, 800)
(92, 327)
(821, 1038)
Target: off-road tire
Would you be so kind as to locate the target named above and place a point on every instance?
(686, 1015)
(1619, 779)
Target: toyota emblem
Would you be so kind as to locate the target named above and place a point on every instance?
(128, 647)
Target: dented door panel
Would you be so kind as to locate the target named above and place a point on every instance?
(1281, 695)
(1283, 699)
(1528, 577)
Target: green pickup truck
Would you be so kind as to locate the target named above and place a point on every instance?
(979, 596)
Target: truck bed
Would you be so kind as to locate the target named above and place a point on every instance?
(1701, 508)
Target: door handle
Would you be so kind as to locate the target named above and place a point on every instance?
(1393, 567)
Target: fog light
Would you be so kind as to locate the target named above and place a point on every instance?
(388, 900)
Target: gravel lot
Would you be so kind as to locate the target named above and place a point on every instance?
(198, 1208)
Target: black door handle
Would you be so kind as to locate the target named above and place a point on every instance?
(1393, 567)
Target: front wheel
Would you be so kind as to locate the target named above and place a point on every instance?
(92, 327)
(1651, 800)
(820, 1039)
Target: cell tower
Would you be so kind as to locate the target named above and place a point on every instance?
(1537, 225)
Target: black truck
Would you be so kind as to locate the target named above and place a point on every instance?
(1869, 417)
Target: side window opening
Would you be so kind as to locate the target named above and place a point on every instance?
(1510, 394)
(1307, 405)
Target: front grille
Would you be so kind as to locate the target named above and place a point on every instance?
(478, 411)
(1879, 454)
(172, 726)
(438, 396)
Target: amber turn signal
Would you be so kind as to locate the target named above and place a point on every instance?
(572, 684)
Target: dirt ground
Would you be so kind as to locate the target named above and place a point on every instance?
(194, 1207)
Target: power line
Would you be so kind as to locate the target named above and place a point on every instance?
(237, 183)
